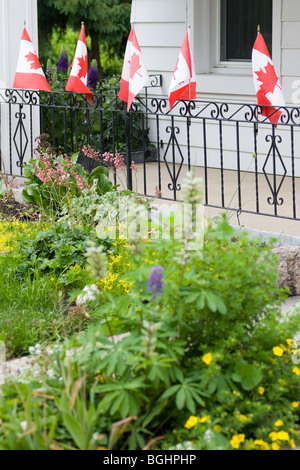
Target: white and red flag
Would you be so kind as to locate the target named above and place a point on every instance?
(266, 82)
(134, 73)
(183, 83)
(78, 77)
(29, 74)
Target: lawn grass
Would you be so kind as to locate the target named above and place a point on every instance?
(33, 311)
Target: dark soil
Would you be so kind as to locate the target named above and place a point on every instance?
(12, 210)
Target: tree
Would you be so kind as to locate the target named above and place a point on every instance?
(106, 21)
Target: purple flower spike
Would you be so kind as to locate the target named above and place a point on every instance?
(156, 280)
(93, 75)
(63, 61)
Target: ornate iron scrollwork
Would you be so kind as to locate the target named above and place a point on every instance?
(173, 143)
(274, 200)
(20, 138)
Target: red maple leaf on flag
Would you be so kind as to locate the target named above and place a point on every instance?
(135, 65)
(176, 68)
(82, 62)
(32, 57)
(268, 78)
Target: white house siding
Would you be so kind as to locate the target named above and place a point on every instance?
(161, 25)
(13, 14)
(290, 49)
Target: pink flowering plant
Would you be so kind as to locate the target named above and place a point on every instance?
(109, 159)
(52, 181)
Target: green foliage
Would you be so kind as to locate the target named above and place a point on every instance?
(107, 22)
(39, 264)
(58, 251)
(111, 60)
(52, 182)
(108, 127)
(28, 317)
(201, 347)
(2, 188)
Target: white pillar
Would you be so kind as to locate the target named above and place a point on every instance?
(13, 14)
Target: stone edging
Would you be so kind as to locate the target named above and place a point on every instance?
(16, 367)
(283, 238)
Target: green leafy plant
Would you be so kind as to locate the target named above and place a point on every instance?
(188, 354)
(52, 181)
(193, 355)
(59, 250)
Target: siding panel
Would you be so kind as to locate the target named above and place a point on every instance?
(290, 35)
(157, 11)
(290, 10)
(160, 59)
(291, 62)
(160, 35)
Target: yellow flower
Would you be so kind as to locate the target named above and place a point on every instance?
(236, 440)
(217, 428)
(243, 418)
(262, 444)
(191, 422)
(261, 390)
(296, 370)
(207, 358)
(278, 351)
(283, 436)
(292, 442)
(275, 446)
(278, 423)
(204, 419)
(295, 404)
(273, 436)
(289, 342)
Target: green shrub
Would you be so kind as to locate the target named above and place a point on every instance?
(59, 251)
(52, 182)
(207, 363)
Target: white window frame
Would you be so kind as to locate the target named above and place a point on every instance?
(213, 75)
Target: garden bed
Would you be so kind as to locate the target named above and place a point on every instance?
(208, 363)
(10, 209)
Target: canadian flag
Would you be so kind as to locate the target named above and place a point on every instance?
(29, 74)
(134, 73)
(266, 82)
(78, 77)
(183, 83)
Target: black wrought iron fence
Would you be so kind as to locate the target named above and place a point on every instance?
(247, 164)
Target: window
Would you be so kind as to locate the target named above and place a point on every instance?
(215, 70)
(239, 21)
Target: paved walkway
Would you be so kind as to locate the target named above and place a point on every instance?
(145, 182)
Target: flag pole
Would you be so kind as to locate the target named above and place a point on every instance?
(256, 126)
(190, 93)
(190, 90)
(23, 88)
